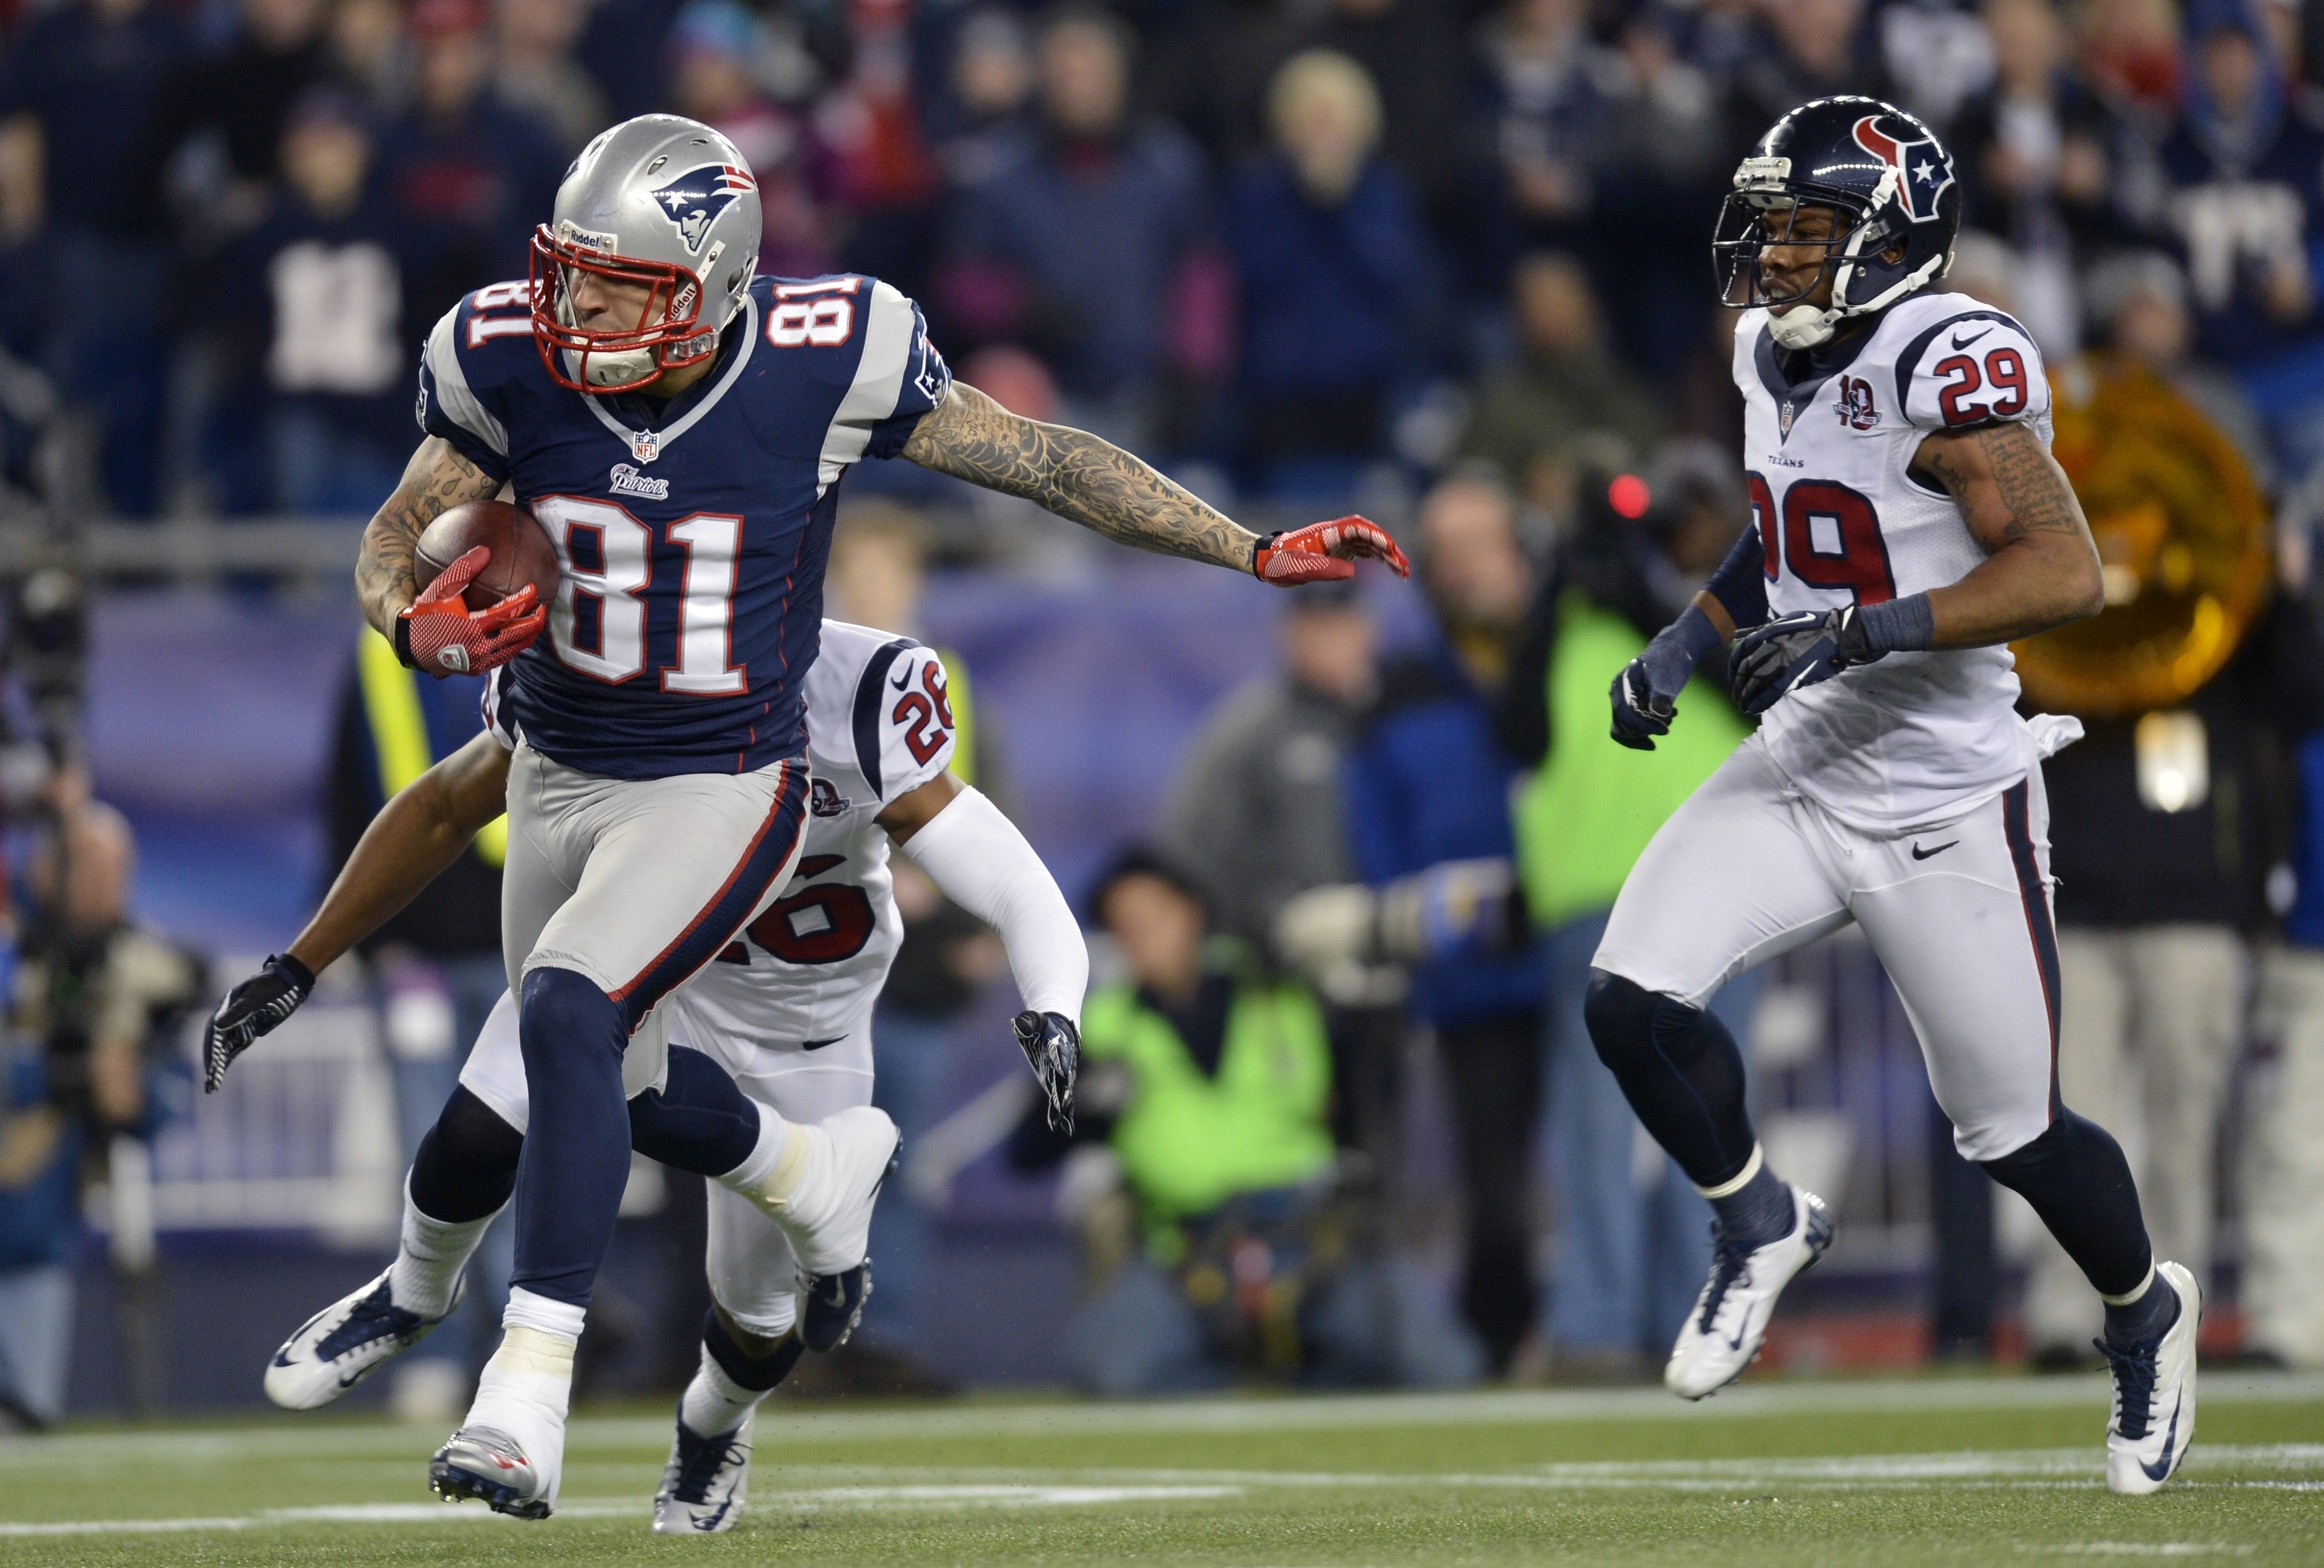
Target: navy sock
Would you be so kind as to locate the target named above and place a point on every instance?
(1758, 1211)
(2149, 1317)
(2076, 1178)
(699, 1120)
(576, 1157)
(466, 1165)
(1680, 1070)
(761, 1372)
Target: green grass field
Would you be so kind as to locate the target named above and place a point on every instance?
(1969, 1471)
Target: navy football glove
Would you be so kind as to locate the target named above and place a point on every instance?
(1800, 650)
(250, 1009)
(1646, 694)
(1053, 1047)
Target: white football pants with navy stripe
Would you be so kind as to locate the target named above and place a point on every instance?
(1749, 868)
(636, 883)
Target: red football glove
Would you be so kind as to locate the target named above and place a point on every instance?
(1322, 551)
(442, 636)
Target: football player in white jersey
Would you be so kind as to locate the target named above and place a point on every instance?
(1909, 523)
(785, 1012)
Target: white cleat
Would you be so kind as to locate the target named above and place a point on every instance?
(2154, 1416)
(821, 1194)
(345, 1344)
(1722, 1334)
(487, 1464)
(706, 1482)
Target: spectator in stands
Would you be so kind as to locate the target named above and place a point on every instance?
(1427, 786)
(318, 321)
(1210, 72)
(1549, 123)
(2138, 300)
(1567, 401)
(880, 172)
(1334, 273)
(1074, 246)
(2243, 202)
(1802, 50)
(463, 163)
(242, 96)
(1414, 53)
(976, 125)
(1203, 1096)
(1662, 172)
(1255, 817)
(81, 102)
(1630, 1251)
(715, 48)
(371, 54)
(2130, 57)
(538, 73)
(2036, 154)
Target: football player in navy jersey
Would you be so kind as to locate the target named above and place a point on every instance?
(679, 426)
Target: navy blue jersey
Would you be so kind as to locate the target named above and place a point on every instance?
(693, 532)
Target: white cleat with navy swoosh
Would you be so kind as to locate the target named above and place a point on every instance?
(706, 1482)
(345, 1344)
(2154, 1416)
(1723, 1332)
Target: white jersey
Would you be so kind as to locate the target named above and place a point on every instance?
(806, 972)
(1915, 739)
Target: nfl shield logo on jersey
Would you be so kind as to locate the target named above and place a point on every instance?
(693, 201)
(1925, 169)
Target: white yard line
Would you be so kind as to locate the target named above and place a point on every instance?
(790, 1425)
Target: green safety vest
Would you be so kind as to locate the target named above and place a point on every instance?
(399, 731)
(1586, 815)
(1190, 1140)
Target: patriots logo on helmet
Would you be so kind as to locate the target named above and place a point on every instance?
(1925, 169)
(693, 200)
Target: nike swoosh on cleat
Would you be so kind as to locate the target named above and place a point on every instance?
(2160, 1471)
(1920, 853)
(1961, 342)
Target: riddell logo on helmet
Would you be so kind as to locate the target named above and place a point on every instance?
(694, 199)
(1926, 171)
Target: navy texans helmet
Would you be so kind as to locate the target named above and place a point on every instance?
(1887, 179)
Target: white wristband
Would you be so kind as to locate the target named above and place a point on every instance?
(981, 863)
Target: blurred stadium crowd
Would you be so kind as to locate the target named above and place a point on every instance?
(1440, 259)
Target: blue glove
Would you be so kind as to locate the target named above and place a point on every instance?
(1646, 694)
(1808, 647)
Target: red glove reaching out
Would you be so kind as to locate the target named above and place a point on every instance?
(1322, 551)
(442, 636)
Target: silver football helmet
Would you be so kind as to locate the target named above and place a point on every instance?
(658, 201)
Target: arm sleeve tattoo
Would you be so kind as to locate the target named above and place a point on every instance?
(1077, 476)
(436, 480)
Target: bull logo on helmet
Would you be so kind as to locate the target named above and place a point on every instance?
(694, 199)
(1924, 169)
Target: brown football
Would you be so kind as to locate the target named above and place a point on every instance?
(521, 552)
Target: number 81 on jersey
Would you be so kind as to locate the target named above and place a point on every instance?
(598, 624)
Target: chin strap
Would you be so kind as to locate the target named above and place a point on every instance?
(1802, 326)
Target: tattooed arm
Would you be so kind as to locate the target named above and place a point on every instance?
(436, 480)
(1076, 475)
(2041, 569)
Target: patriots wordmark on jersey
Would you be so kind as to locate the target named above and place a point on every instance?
(1915, 737)
(691, 530)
